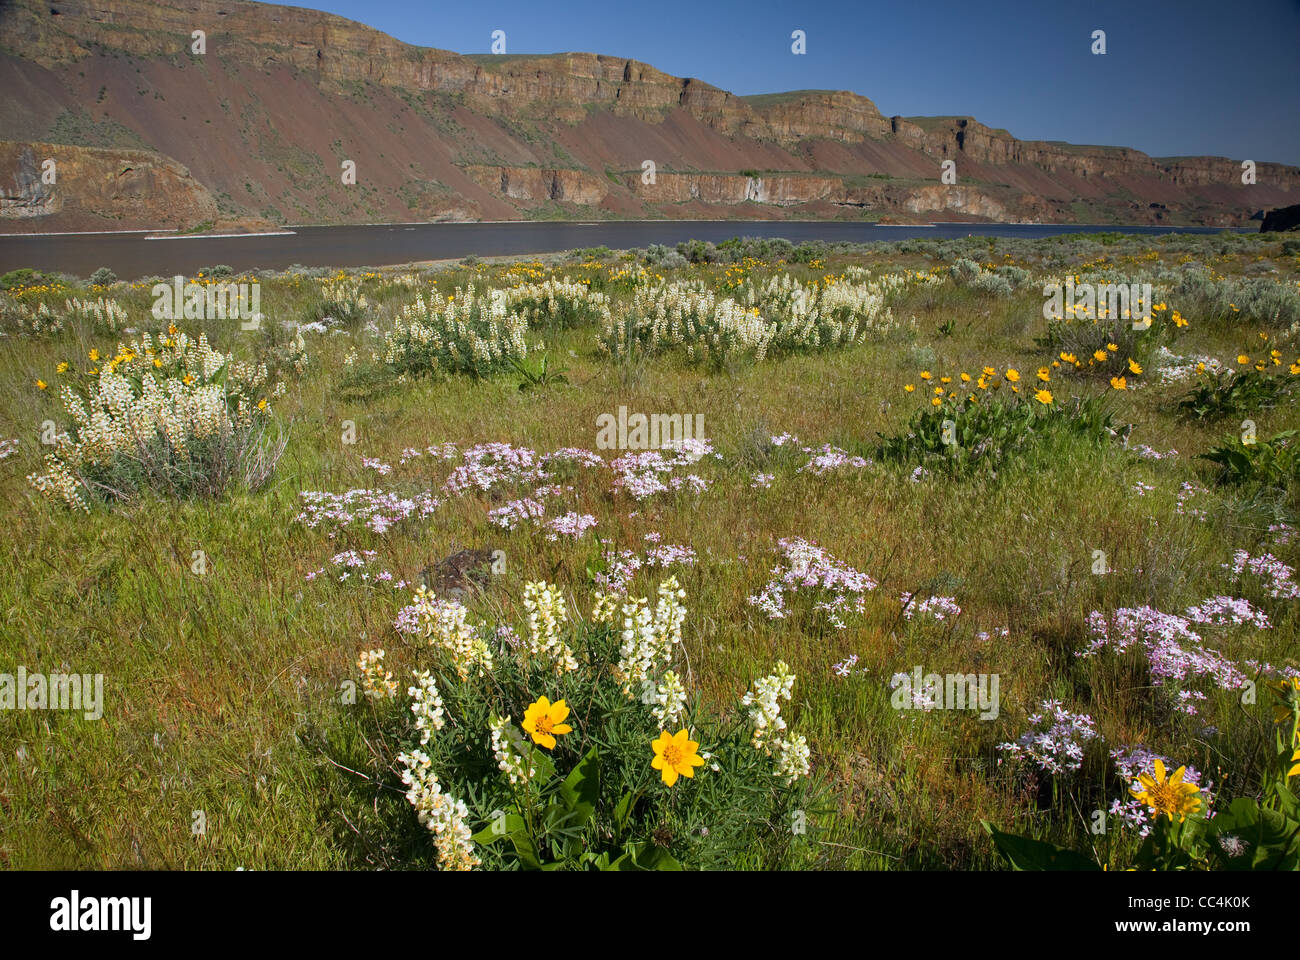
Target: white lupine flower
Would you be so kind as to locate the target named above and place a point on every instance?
(546, 615)
(605, 608)
(441, 815)
(186, 391)
(792, 758)
(649, 640)
(765, 707)
(445, 624)
(668, 698)
(509, 762)
(376, 682)
(426, 706)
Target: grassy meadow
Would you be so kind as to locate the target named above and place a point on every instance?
(228, 739)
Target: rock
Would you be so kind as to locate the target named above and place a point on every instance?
(1284, 218)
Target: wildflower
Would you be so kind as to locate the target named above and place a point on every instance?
(1168, 795)
(440, 814)
(544, 721)
(1112, 347)
(792, 758)
(1013, 375)
(546, 614)
(41, 384)
(675, 755)
(1044, 374)
(1243, 359)
(764, 701)
(1288, 693)
(668, 698)
(1044, 397)
(1056, 738)
(426, 706)
(376, 683)
(509, 762)
(1134, 367)
(910, 387)
(1100, 356)
(1119, 383)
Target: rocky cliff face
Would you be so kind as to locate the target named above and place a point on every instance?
(121, 189)
(283, 96)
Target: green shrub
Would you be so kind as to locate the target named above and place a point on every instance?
(541, 751)
(1232, 394)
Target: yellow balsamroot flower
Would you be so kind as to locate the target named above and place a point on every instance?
(675, 755)
(94, 356)
(945, 379)
(1296, 769)
(1287, 692)
(910, 387)
(1112, 347)
(63, 367)
(989, 372)
(1044, 374)
(1200, 367)
(1294, 368)
(1119, 383)
(965, 378)
(938, 391)
(936, 402)
(1068, 357)
(1168, 795)
(1013, 375)
(1134, 367)
(1099, 356)
(1260, 366)
(41, 384)
(1044, 397)
(925, 374)
(1243, 359)
(544, 721)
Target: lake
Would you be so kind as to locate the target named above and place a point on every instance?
(131, 255)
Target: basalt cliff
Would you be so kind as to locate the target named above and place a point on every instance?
(264, 123)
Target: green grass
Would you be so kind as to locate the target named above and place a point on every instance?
(223, 691)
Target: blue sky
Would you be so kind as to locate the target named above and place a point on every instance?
(1180, 77)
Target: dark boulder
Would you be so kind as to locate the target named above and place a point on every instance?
(1283, 218)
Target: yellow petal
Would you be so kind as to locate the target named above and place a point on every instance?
(669, 775)
(561, 728)
(1160, 770)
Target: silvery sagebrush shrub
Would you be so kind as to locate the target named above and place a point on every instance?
(577, 743)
